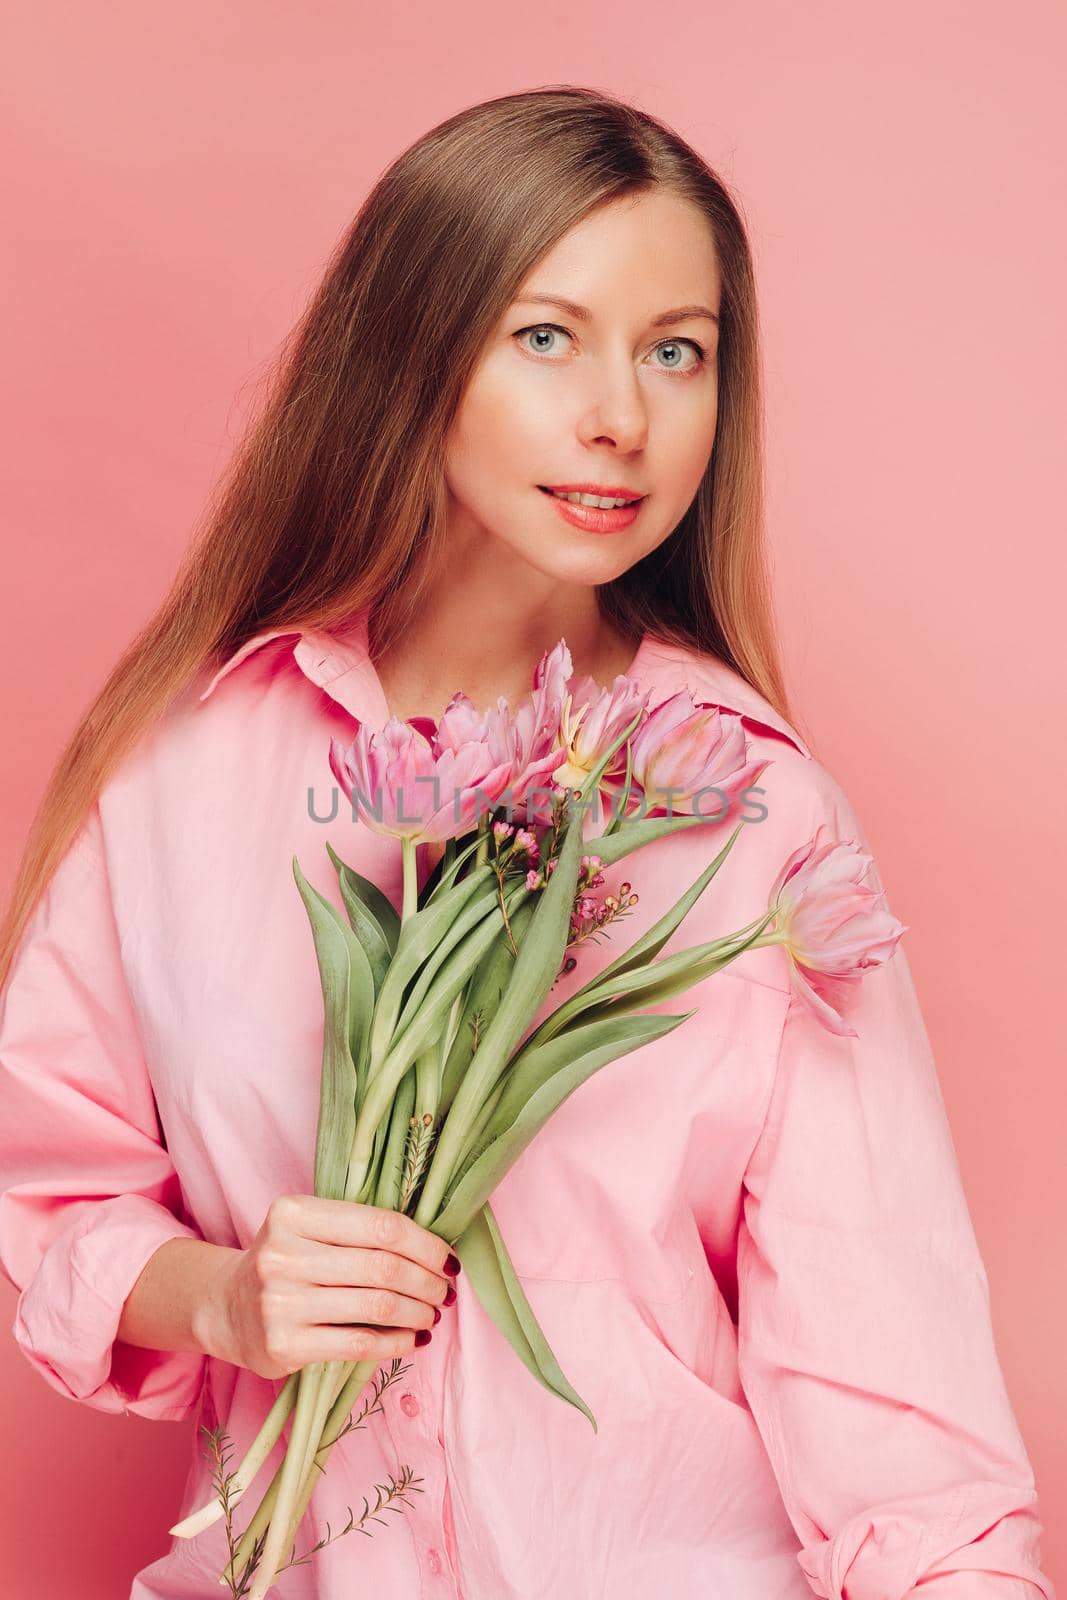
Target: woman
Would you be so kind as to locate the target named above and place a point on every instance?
(750, 1248)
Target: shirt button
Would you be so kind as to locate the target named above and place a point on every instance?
(434, 1560)
(409, 1405)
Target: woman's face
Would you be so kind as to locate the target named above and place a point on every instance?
(621, 395)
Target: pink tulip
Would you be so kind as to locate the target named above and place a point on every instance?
(427, 785)
(833, 924)
(530, 737)
(691, 758)
(592, 718)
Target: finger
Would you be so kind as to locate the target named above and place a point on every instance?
(351, 1266)
(324, 1343)
(380, 1308)
(376, 1227)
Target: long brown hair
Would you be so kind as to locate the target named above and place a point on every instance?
(335, 499)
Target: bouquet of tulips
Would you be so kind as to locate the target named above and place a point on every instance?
(432, 1082)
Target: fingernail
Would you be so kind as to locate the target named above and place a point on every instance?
(452, 1265)
(423, 1336)
(450, 1295)
(437, 1313)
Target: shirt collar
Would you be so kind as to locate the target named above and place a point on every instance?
(328, 658)
(323, 656)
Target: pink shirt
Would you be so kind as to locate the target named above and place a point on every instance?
(747, 1243)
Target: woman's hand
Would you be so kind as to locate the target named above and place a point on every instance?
(327, 1280)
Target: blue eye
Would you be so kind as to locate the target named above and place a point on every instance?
(676, 344)
(544, 329)
(541, 328)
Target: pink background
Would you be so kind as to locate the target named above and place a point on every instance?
(176, 180)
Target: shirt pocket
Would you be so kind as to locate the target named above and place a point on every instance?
(643, 1161)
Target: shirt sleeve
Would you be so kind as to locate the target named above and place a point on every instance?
(865, 1341)
(87, 1190)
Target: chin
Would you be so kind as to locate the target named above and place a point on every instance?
(577, 566)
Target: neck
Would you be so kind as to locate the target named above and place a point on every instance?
(486, 640)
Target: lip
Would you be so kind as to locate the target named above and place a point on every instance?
(595, 519)
(616, 491)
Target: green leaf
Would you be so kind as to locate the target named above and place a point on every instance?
(493, 1278)
(534, 971)
(361, 997)
(484, 992)
(613, 845)
(339, 1082)
(539, 1081)
(366, 929)
(372, 901)
(418, 1026)
(447, 869)
(537, 964)
(420, 936)
(616, 822)
(366, 1191)
(662, 980)
(637, 955)
(470, 916)
(652, 941)
(390, 1178)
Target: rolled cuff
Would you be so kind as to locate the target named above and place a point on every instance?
(67, 1317)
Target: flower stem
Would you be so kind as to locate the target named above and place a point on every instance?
(354, 1376)
(257, 1453)
(333, 1381)
(410, 903)
(478, 1127)
(255, 1530)
(291, 1479)
(428, 1082)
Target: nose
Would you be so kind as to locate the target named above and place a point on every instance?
(617, 414)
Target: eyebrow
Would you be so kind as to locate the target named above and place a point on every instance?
(583, 314)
